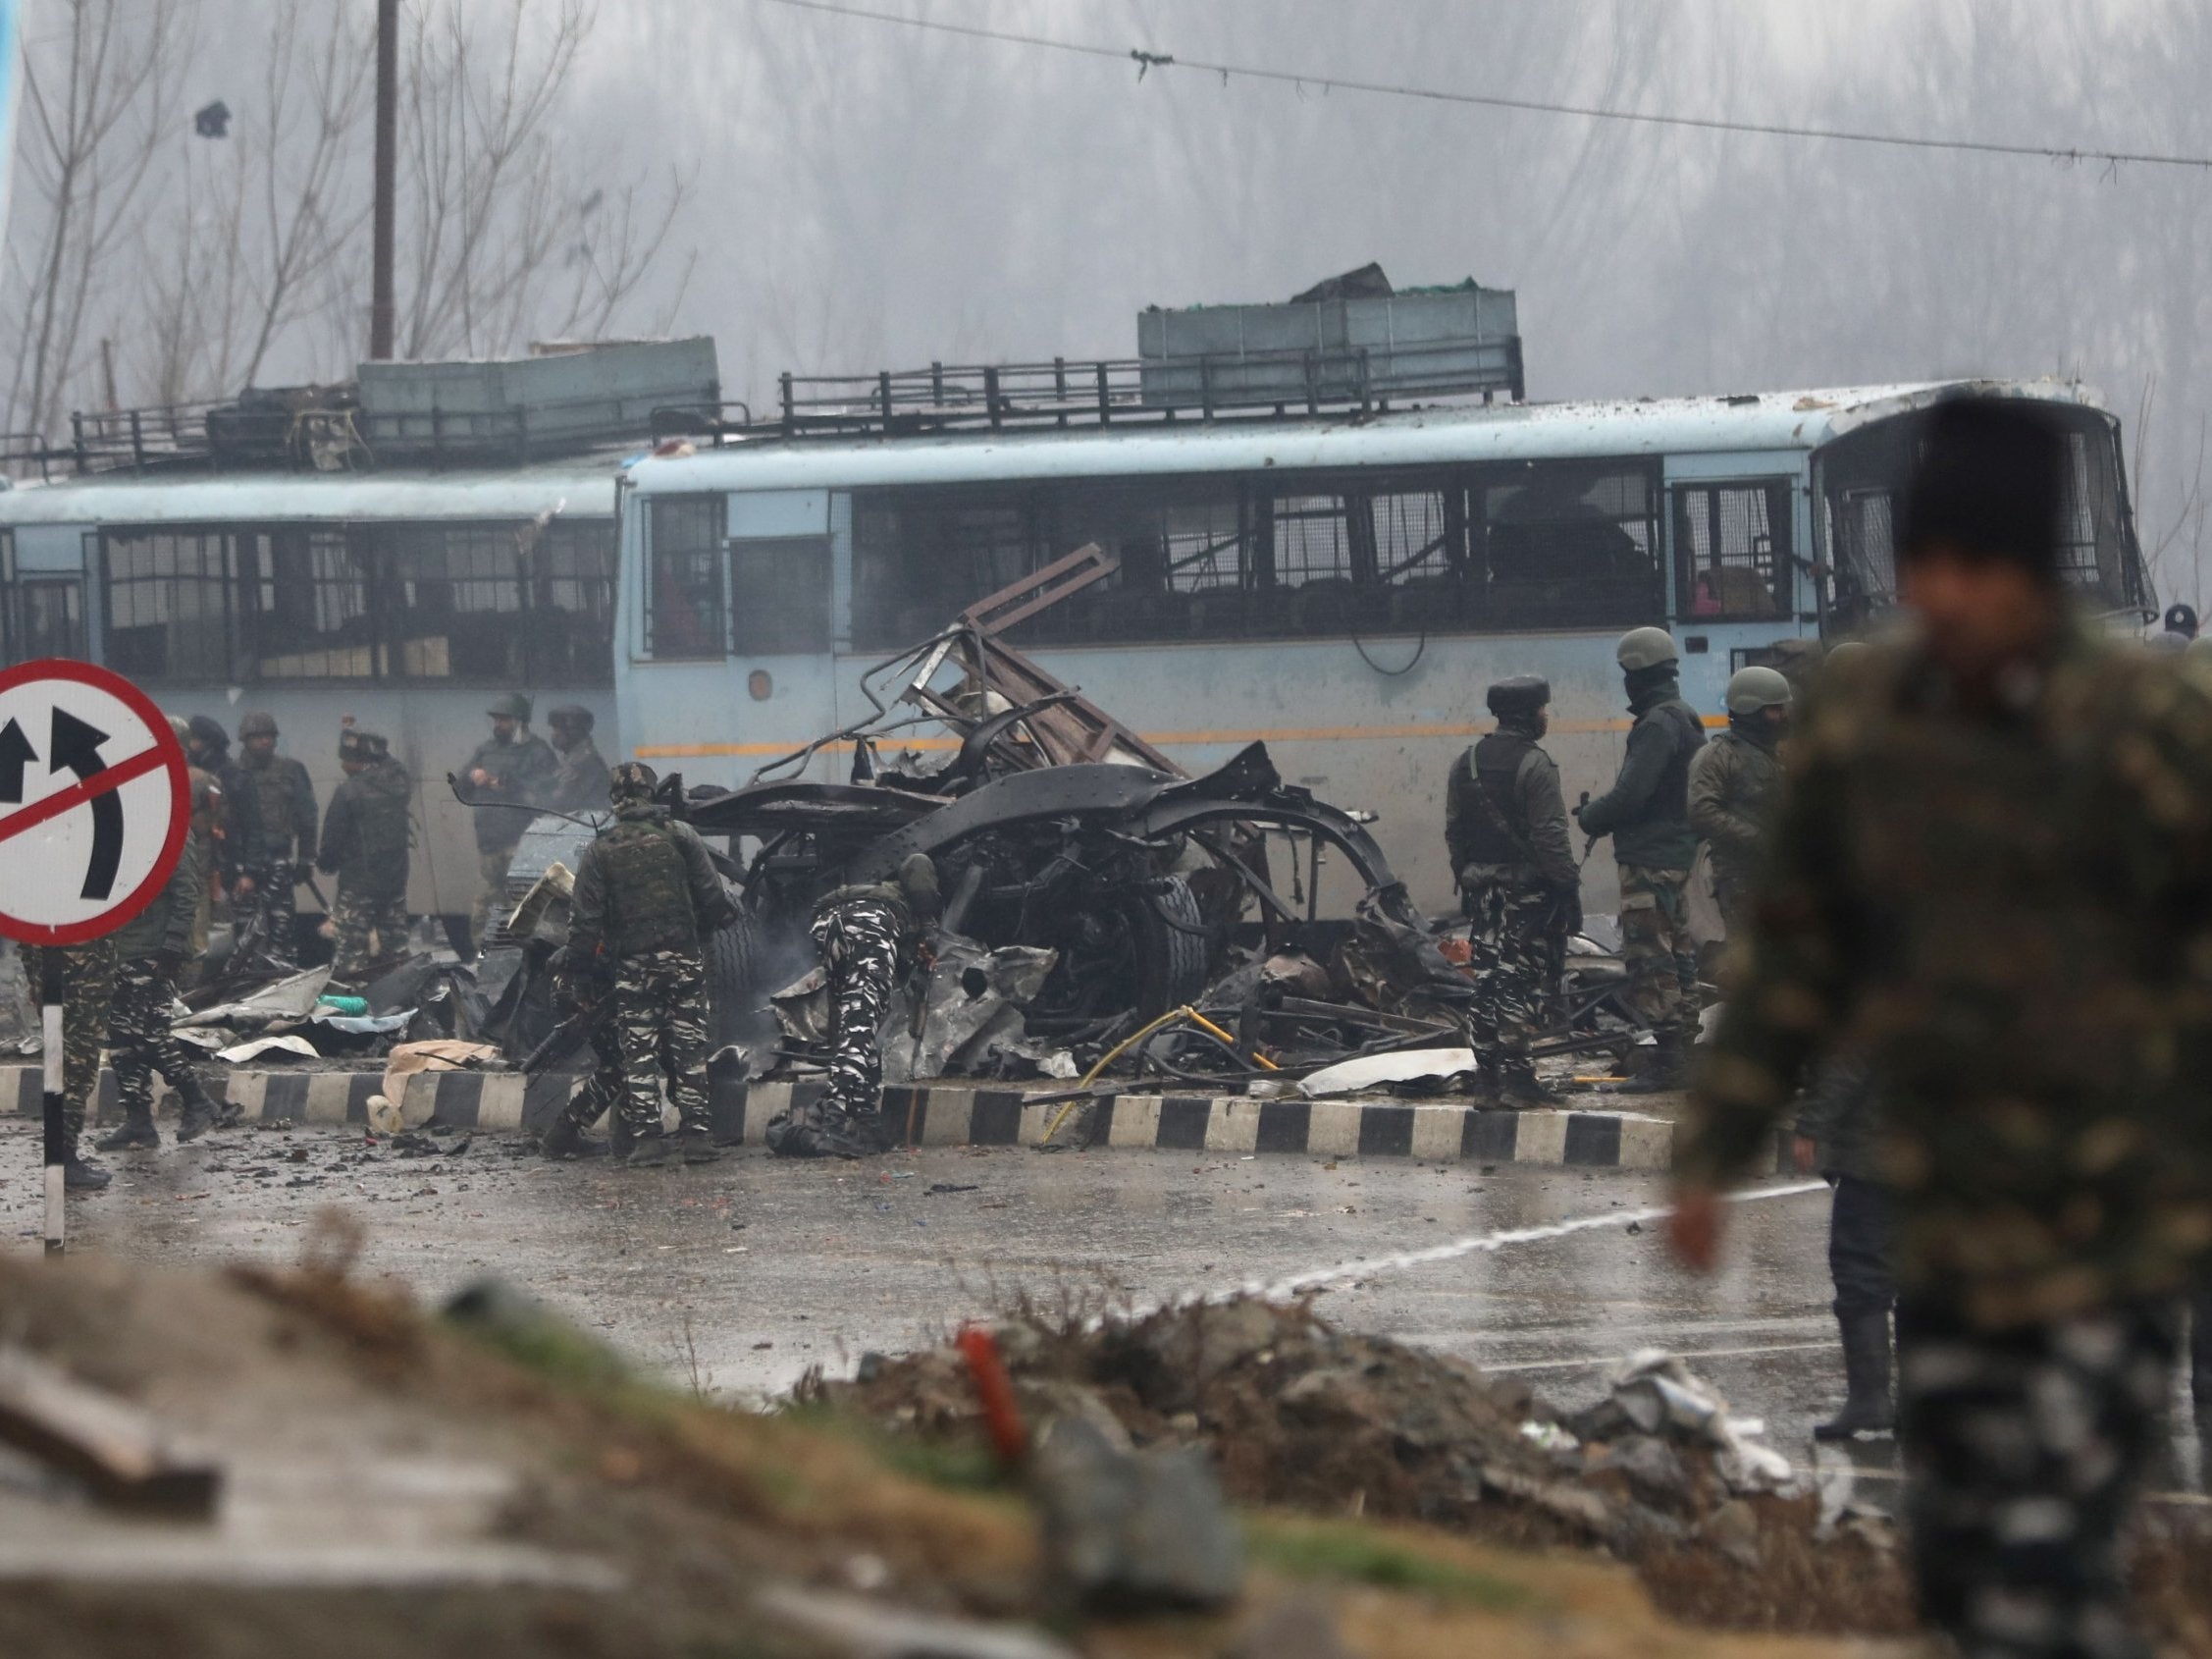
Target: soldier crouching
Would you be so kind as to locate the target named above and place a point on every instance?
(866, 934)
(646, 897)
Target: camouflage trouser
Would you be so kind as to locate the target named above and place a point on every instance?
(2027, 1449)
(139, 1039)
(86, 985)
(492, 893)
(1655, 943)
(356, 916)
(274, 900)
(603, 1090)
(860, 947)
(1510, 945)
(659, 1025)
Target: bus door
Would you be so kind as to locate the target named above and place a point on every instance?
(1738, 580)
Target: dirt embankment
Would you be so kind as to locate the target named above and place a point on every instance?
(681, 1529)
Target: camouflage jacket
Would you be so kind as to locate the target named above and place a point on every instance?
(645, 885)
(367, 832)
(2009, 913)
(522, 777)
(281, 799)
(1735, 786)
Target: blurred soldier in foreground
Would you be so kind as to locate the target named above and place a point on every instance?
(280, 798)
(234, 851)
(866, 934)
(365, 838)
(1646, 812)
(149, 949)
(580, 777)
(646, 898)
(1992, 876)
(1735, 785)
(1505, 825)
(506, 780)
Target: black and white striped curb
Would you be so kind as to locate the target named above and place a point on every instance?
(943, 1115)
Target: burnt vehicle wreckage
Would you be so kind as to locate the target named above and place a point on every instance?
(1092, 889)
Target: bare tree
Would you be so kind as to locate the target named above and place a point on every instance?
(99, 94)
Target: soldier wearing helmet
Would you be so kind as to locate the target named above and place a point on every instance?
(365, 842)
(1506, 827)
(1646, 813)
(280, 799)
(580, 782)
(506, 780)
(647, 898)
(236, 849)
(1735, 783)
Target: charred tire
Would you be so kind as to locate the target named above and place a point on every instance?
(1170, 941)
(737, 1001)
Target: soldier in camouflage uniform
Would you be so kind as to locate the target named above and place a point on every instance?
(236, 847)
(1992, 878)
(646, 898)
(1506, 827)
(80, 978)
(582, 990)
(580, 779)
(280, 798)
(506, 780)
(866, 934)
(150, 949)
(365, 838)
(1646, 812)
(1736, 784)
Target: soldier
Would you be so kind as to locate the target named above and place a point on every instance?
(646, 898)
(867, 933)
(583, 990)
(1736, 784)
(506, 780)
(579, 783)
(234, 851)
(149, 950)
(1835, 1134)
(365, 838)
(1992, 879)
(1646, 812)
(1505, 825)
(80, 979)
(280, 798)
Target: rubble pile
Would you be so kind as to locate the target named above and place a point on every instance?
(1295, 1413)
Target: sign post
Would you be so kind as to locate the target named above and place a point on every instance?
(95, 802)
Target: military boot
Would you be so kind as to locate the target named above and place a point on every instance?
(1519, 1088)
(566, 1139)
(652, 1149)
(1669, 1064)
(137, 1129)
(695, 1142)
(81, 1176)
(202, 1113)
(1484, 1089)
(1867, 1403)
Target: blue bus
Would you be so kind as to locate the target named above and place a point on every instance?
(1342, 586)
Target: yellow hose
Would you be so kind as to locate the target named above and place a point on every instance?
(1186, 1012)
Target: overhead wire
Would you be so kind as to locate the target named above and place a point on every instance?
(1147, 61)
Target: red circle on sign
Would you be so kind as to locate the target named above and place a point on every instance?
(173, 762)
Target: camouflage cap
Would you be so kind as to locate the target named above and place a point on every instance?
(633, 781)
(258, 725)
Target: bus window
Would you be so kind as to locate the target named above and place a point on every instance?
(45, 617)
(453, 600)
(684, 613)
(169, 603)
(310, 606)
(779, 595)
(1732, 551)
(571, 576)
(1571, 544)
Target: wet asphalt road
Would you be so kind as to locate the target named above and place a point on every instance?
(741, 1275)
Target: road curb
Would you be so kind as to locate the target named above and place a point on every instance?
(944, 1115)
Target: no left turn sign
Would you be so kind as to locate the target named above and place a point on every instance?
(96, 801)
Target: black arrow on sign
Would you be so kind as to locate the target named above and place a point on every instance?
(15, 753)
(74, 746)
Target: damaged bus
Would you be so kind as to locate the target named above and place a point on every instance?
(1339, 585)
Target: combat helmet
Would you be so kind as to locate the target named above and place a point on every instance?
(1753, 689)
(260, 724)
(512, 705)
(632, 780)
(1645, 648)
(1522, 697)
